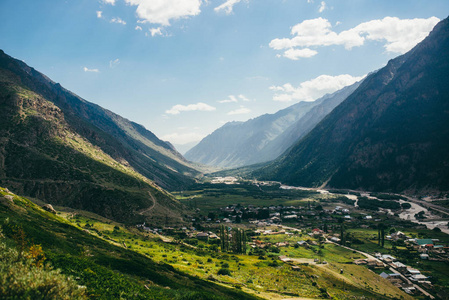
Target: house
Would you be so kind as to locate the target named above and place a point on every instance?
(282, 244)
(413, 272)
(317, 231)
(360, 261)
(424, 242)
(424, 256)
(410, 289)
(387, 258)
(302, 243)
(203, 236)
(335, 239)
(375, 264)
(284, 258)
(399, 266)
(398, 235)
(419, 277)
(290, 217)
(213, 236)
(393, 277)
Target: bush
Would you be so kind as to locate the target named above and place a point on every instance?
(274, 249)
(406, 205)
(23, 278)
(224, 271)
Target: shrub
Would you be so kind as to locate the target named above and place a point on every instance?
(25, 278)
(224, 271)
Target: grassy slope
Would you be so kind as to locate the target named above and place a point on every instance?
(108, 271)
(268, 278)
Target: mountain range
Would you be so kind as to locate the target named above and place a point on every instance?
(266, 137)
(63, 149)
(390, 134)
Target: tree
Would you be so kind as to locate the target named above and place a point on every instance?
(381, 234)
(238, 240)
(342, 234)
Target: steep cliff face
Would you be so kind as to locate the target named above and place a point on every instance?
(391, 134)
(49, 149)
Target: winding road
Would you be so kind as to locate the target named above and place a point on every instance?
(152, 205)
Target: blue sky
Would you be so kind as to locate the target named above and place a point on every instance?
(183, 68)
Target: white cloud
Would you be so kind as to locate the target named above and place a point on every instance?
(112, 2)
(226, 6)
(114, 63)
(99, 14)
(177, 109)
(118, 21)
(313, 89)
(183, 138)
(322, 7)
(155, 31)
(138, 28)
(86, 69)
(295, 54)
(399, 35)
(163, 11)
(231, 99)
(240, 111)
(243, 98)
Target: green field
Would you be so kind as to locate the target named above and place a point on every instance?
(210, 197)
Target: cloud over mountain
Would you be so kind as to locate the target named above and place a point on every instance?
(398, 35)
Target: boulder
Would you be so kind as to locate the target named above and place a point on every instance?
(10, 198)
(49, 208)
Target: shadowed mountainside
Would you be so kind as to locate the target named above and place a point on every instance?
(391, 134)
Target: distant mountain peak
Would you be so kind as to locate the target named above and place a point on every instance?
(263, 138)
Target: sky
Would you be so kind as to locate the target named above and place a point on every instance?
(183, 68)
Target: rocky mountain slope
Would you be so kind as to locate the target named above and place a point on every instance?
(56, 146)
(391, 134)
(266, 137)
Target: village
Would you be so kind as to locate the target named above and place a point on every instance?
(311, 225)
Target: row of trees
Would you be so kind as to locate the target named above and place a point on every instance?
(232, 239)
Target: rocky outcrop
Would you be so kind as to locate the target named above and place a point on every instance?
(49, 208)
